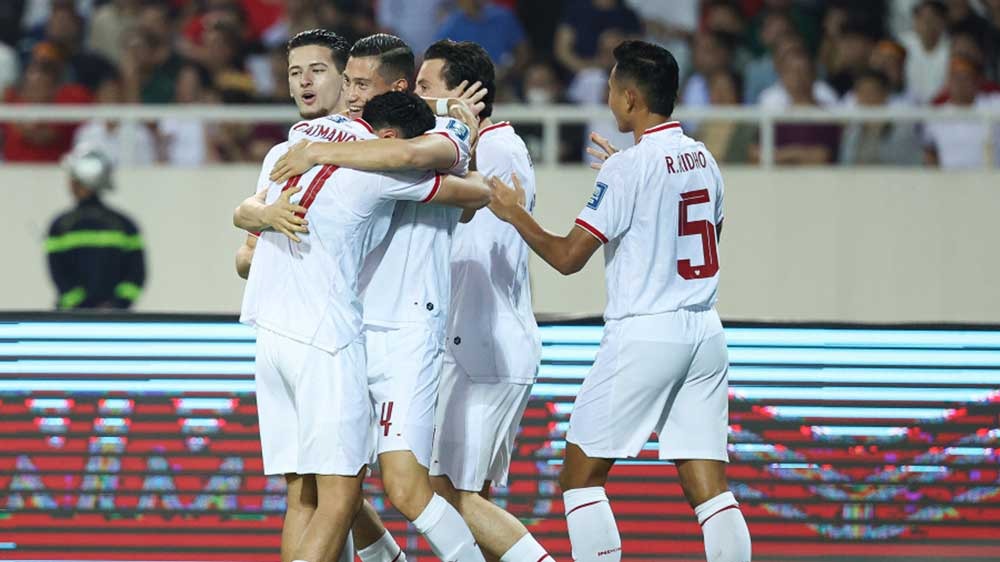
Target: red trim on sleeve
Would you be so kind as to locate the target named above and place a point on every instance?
(434, 190)
(365, 125)
(458, 151)
(591, 229)
(494, 127)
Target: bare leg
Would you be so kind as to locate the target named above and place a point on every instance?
(368, 527)
(302, 502)
(701, 480)
(339, 501)
(581, 471)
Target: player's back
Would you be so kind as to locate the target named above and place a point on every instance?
(492, 331)
(656, 206)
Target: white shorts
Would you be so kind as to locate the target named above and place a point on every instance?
(315, 415)
(475, 427)
(404, 367)
(664, 373)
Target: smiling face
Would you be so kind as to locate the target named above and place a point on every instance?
(362, 82)
(431, 82)
(313, 80)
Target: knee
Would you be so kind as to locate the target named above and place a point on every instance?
(443, 487)
(407, 496)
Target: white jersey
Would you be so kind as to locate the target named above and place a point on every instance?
(492, 333)
(406, 278)
(308, 291)
(655, 207)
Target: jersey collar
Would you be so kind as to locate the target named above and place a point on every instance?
(670, 125)
(494, 127)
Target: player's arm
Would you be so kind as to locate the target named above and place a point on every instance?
(244, 256)
(567, 254)
(254, 215)
(426, 152)
(470, 192)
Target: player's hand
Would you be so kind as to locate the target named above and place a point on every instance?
(282, 215)
(603, 151)
(473, 96)
(504, 199)
(296, 161)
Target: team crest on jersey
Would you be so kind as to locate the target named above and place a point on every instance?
(460, 129)
(595, 199)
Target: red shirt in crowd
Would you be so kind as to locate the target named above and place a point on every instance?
(18, 148)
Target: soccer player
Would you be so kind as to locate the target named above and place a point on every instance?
(407, 291)
(303, 298)
(493, 345)
(662, 365)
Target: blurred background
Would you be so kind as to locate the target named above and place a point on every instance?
(859, 141)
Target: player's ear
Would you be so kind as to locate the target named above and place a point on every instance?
(388, 133)
(401, 85)
(630, 98)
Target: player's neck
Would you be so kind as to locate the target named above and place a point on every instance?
(647, 122)
(485, 122)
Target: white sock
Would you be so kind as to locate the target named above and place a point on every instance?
(727, 538)
(347, 555)
(446, 532)
(526, 549)
(593, 532)
(384, 549)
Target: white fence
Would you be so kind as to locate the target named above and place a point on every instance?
(550, 117)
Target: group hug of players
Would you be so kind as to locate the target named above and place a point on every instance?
(393, 309)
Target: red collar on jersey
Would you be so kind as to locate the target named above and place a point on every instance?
(494, 127)
(663, 127)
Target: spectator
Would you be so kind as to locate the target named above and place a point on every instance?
(149, 65)
(581, 27)
(590, 87)
(797, 83)
(10, 68)
(65, 29)
(961, 144)
(539, 20)
(542, 87)
(849, 55)
(802, 16)
(673, 28)
(729, 141)
(95, 253)
(879, 143)
(712, 53)
(724, 16)
(889, 58)
(127, 143)
(761, 72)
(965, 45)
(42, 83)
(927, 51)
(801, 143)
(493, 27)
(108, 27)
(299, 16)
(184, 142)
(416, 23)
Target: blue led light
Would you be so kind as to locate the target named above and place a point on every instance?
(126, 331)
(927, 414)
(127, 349)
(889, 394)
(154, 385)
(864, 376)
(112, 367)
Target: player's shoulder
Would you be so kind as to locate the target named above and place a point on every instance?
(330, 128)
(453, 127)
(276, 151)
(502, 138)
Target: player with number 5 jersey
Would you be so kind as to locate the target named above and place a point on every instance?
(662, 366)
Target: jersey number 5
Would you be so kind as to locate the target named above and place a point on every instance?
(703, 228)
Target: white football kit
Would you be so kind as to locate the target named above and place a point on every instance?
(312, 392)
(493, 344)
(662, 365)
(406, 283)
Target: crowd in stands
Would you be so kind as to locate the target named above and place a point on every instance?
(772, 53)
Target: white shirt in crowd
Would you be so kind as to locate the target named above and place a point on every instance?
(656, 207)
(128, 143)
(924, 72)
(962, 144)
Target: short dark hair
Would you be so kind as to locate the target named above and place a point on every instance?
(467, 61)
(405, 111)
(873, 74)
(395, 57)
(338, 46)
(653, 69)
(936, 5)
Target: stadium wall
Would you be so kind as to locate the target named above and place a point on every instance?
(824, 245)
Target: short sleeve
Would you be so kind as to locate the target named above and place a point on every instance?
(410, 187)
(608, 214)
(459, 135)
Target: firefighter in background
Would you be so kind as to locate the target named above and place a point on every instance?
(95, 253)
